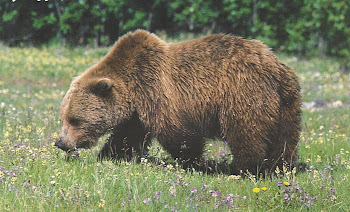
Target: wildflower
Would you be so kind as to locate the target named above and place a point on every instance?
(185, 184)
(13, 180)
(234, 177)
(264, 188)
(123, 203)
(286, 183)
(256, 190)
(214, 193)
(156, 196)
(319, 159)
(308, 203)
(172, 192)
(229, 200)
(277, 170)
(75, 154)
(176, 182)
(87, 194)
(146, 200)
(193, 190)
(321, 187)
(170, 167)
(230, 197)
(102, 203)
(204, 186)
(333, 191)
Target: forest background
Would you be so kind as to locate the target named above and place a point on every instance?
(303, 27)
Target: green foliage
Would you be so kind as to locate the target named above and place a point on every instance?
(318, 27)
(8, 16)
(36, 176)
(193, 15)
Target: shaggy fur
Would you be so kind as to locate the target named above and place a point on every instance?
(219, 86)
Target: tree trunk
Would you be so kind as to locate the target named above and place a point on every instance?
(149, 21)
(254, 15)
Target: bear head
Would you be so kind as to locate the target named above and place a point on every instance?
(111, 91)
(91, 107)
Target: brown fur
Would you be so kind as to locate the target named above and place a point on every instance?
(180, 93)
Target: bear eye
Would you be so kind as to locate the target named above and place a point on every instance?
(74, 121)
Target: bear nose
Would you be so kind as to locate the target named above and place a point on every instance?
(61, 145)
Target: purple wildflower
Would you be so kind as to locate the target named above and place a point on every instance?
(321, 187)
(172, 192)
(204, 186)
(156, 196)
(229, 200)
(214, 193)
(146, 200)
(333, 191)
(308, 204)
(193, 190)
(216, 204)
(185, 184)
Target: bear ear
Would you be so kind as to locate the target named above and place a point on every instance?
(101, 87)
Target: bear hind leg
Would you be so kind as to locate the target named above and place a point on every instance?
(249, 153)
(284, 151)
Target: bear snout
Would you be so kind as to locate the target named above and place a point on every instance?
(59, 143)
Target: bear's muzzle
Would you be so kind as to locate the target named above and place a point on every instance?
(61, 145)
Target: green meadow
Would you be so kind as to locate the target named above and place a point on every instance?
(35, 176)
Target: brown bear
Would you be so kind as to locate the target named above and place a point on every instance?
(219, 86)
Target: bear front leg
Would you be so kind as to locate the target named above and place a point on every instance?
(186, 150)
(127, 141)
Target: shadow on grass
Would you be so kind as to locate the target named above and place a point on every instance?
(208, 166)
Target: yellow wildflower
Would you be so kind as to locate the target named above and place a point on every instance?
(102, 203)
(256, 190)
(264, 188)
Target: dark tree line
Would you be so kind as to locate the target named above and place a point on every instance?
(298, 26)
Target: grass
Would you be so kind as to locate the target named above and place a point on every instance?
(36, 176)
